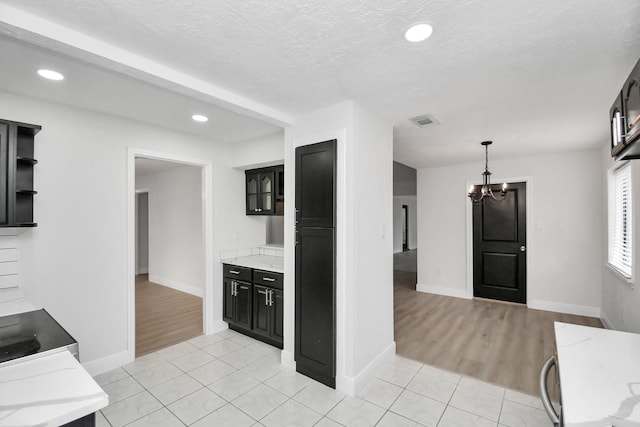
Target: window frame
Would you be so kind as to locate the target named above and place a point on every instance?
(616, 175)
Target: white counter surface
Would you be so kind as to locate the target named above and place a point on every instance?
(259, 262)
(599, 375)
(47, 391)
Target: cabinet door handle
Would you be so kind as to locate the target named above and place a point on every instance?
(266, 296)
(233, 288)
(234, 272)
(268, 279)
(270, 298)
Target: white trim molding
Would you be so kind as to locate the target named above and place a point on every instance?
(353, 385)
(207, 227)
(106, 364)
(179, 286)
(443, 290)
(578, 310)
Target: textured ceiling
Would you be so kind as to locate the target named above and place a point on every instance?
(105, 91)
(532, 76)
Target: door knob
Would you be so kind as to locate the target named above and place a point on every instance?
(523, 248)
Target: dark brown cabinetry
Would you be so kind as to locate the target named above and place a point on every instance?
(265, 191)
(631, 105)
(315, 305)
(624, 118)
(237, 296)
(267, 305)
(16, 173)
(253, 303)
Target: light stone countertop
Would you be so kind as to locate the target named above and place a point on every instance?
(47, 391)
(258, 262)
(599, 376)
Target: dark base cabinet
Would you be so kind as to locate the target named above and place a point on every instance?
(237, 305)
(253, 303)
(86, 421)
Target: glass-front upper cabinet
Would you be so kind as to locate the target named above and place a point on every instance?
(252, 192)
(631, 103)
(266, 190)
(616, 120)
(261, 192)
(624, 119)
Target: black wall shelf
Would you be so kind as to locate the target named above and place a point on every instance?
(17, 162)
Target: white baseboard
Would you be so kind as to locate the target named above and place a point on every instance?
(606, 323)
(287, 359)
(109, 363)
(352, 385)
(143, 270)
(443, 290)
(193, 290)
(218, 326)
(579, 310)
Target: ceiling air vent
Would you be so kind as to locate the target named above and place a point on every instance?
(424, 120)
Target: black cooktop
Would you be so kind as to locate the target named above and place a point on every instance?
(31, 332)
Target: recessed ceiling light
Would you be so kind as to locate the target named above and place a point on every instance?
(418, 32)
(50, 74)
(199, 118)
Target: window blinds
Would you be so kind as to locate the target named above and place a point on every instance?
(620, 220)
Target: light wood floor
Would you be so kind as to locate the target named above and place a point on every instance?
(164, 316)
(501, 343)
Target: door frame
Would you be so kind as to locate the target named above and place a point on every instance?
(136, 231)
(207, 229)
(528, 180)
(405, 230)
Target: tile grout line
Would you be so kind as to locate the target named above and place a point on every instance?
(164, 360)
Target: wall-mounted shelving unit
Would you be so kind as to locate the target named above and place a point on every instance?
(17, 162)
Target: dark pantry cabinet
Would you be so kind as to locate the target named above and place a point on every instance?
(265, 191)
(16, 173)
(315, 316)
(253, 303)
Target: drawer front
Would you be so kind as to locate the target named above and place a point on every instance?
(237, 272)
(268, 278)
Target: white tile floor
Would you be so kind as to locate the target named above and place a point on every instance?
(230, 380)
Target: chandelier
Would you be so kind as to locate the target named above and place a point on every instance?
(485, 189)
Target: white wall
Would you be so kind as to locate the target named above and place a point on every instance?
(372, 228)
(621, 299)
(364, 264)
(176, 247)
(9, 259)
(564, 249)
(256, 153)
(412, 205)
(75, 262)
(404, 180)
